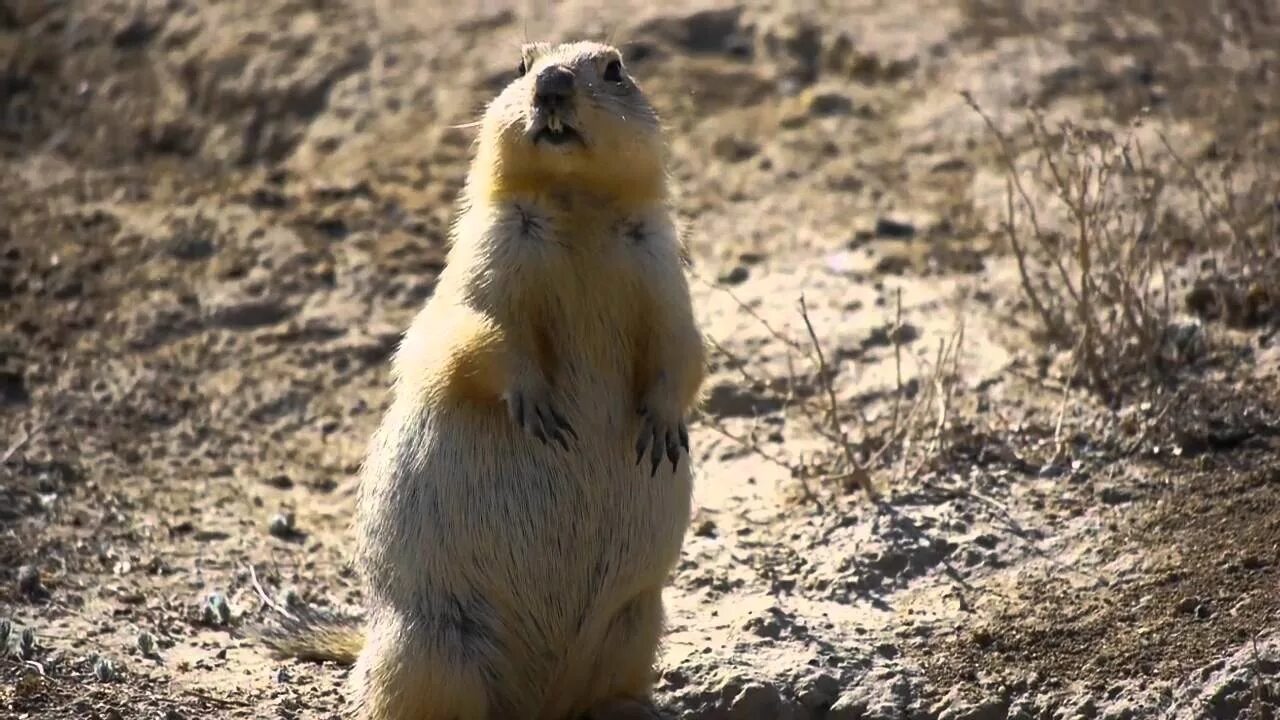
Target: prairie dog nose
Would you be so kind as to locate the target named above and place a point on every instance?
(553, 87)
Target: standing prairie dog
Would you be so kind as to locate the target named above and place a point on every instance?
(527, 493)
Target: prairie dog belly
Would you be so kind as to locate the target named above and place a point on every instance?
(545, 535)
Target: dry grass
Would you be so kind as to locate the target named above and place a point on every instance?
(863, 452)
(1103, 245)
(1096, 272)
(1108, 227)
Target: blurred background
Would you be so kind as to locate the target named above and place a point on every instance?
(992, 288)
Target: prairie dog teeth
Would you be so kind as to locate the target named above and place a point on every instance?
(554, 124)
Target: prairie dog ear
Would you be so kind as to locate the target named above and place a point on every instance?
(530, 52)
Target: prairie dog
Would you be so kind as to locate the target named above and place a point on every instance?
(526, 496)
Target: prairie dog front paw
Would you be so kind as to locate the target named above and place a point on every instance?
(662, 430)
(530, 406)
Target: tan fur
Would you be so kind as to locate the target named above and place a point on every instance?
(310, 634)
(508, 576)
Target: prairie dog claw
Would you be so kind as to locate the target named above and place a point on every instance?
(537, 415)
(658, 437)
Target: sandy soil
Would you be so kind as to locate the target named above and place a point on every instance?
(216, 218)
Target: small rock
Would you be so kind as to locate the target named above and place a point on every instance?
(765, 627)
(734, 150)
(886, 227)
(736, 276)
(247, 313)
(1086, 709)
(1121, 710)
(847, 708)
(820, 694)
(29, 584)
(1188, 605)
(860, 238)
(756, 702)
(992, 709)
(283, 525)
(334, 227)
(892, 265)
(793, 120)
(846, 182)
(1253, 562)
(730, 686)
(674, 678)
(265, 197)
(190, 248)
(1228, 697)
(13, 389)
(829, 104)
(1114, 496)
(289, 598)
(135, 34)
(1051, 470)
(951, 165)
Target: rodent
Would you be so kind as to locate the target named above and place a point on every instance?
(527, 492)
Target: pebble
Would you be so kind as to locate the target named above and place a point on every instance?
(282, 525)
(829, 103)
(736, 276)
(847, 708)
(892, 265)
(1188, 605)
(820, 693)
(29, 584)
(889, 228)
(734, 150)
(247, 313)
(756, 702)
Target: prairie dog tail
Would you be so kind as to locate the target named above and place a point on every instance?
(309, 634)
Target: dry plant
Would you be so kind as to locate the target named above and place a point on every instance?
(900, 443)
(1238, 220)
(1098, 222)
(1093, 253)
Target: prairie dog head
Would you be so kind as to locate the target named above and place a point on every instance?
(573, 119)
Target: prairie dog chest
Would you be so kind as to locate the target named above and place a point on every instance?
(582, 274)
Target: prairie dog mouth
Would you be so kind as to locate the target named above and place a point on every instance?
(553, 130)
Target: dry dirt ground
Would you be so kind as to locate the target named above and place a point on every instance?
(215, 219)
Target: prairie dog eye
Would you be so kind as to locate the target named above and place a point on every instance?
(613, 71)
(522, 68)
